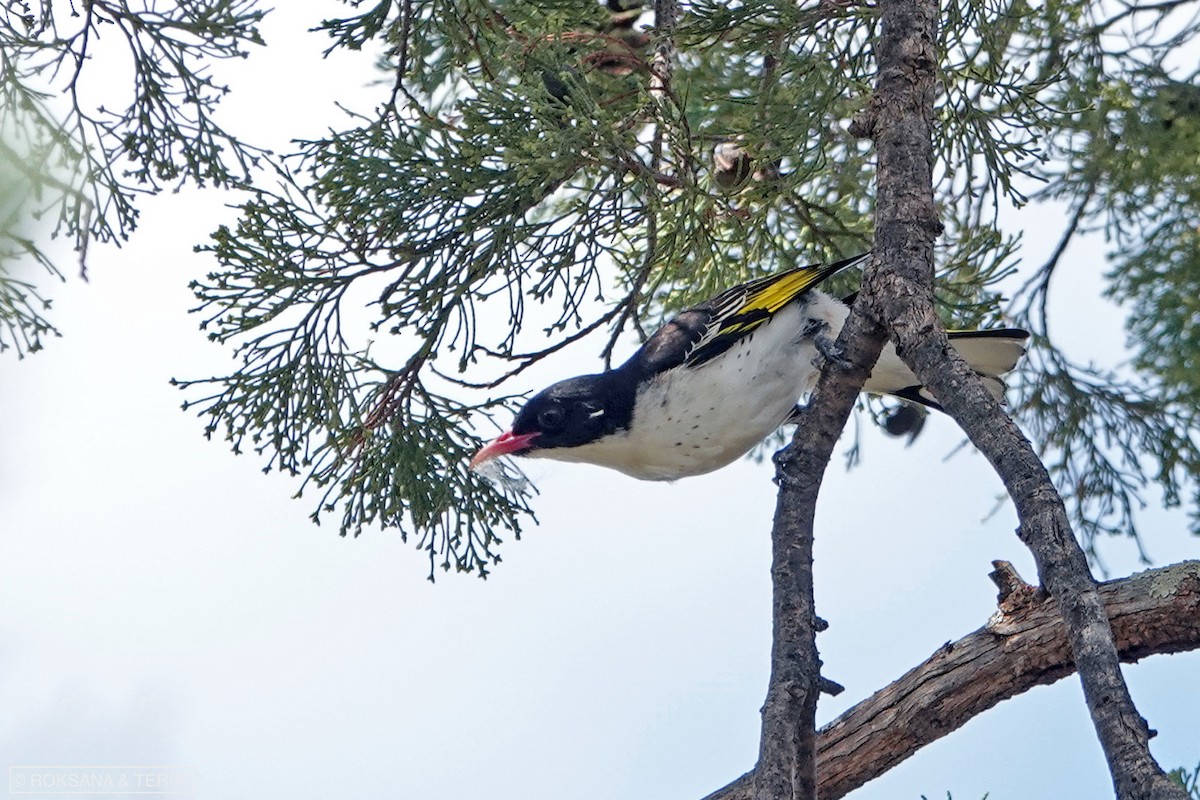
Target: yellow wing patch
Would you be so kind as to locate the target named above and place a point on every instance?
(781, 291)
(739, 311)
(775, 293)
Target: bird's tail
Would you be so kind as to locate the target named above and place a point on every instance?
(991, 353)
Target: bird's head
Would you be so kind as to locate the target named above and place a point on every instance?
(570, 413)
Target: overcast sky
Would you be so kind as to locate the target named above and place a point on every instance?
(163, 602)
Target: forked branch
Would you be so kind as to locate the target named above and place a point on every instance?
(1023, 645)
(900, 291)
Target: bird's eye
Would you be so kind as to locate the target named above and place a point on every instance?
(550, 418)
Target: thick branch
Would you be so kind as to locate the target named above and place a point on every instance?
(787, 749)
(1124, 736)
(901, 293)
(905, 226)
(1023, 645)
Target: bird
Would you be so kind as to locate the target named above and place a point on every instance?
(720, 377)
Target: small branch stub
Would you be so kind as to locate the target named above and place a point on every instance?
(1014, 599)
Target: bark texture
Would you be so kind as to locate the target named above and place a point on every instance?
(906, 226)
(1023, 645)
(921, 341)
(898, 294)
(900, 121)
(787, 747)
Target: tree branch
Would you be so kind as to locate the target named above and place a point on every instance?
(787, 748)
(900, 289)
(1022, 646)
(900, 119)
(1124, 736)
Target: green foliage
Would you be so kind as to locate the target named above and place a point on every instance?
(72, 165)
(540, 163)
(1188, 779)
(1125, 164)
(1153, 186)
(538, 173)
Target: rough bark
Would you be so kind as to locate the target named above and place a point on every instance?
(787, 747)
(898, 294)
(1044, 527)
(900, 291)
(905, 229)
(1023, 645)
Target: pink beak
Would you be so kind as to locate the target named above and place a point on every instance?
(503, 445)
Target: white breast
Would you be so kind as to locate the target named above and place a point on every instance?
(694, 420)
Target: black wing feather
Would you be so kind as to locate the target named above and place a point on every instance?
(670, 344)
(739, 311)
(698, 335)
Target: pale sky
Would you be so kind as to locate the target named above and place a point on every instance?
(163, 602)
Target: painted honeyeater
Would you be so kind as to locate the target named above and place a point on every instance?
(717, 379)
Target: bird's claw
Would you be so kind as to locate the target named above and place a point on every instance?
(829, 352)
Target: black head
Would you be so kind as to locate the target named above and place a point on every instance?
(576, 411)
(568, 414)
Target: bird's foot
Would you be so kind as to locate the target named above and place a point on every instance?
(829, 352)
